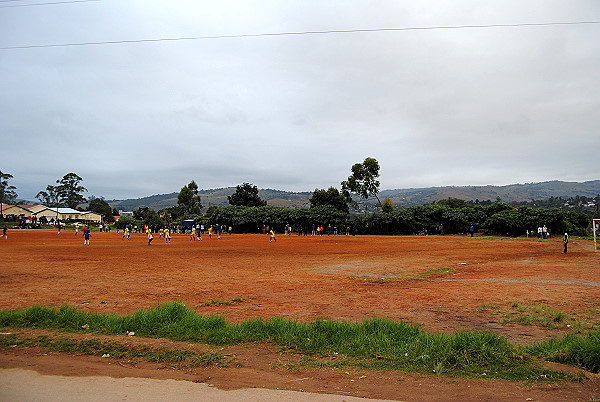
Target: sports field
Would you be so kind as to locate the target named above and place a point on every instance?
(444, 283)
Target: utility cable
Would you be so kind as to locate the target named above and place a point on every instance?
(334, 31)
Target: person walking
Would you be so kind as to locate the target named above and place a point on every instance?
(272, 234)
(150, 237)
(565, 242)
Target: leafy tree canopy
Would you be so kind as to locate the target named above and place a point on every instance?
(363, 181)
(331, 197)
(49, 197)
(7, 192)
(246, 195)
(69, 190)
(388, 206)
(189, 199)
(101, 207)
(140, 213)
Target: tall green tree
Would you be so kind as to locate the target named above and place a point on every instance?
(49, 197)
(7, 192)
(246, 195)
(363, 181)
(189, 199)
(140, 213)
(69, 190)
(332, 197)
(99, 206)
(387, 206)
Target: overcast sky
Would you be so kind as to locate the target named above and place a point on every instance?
(435, 107)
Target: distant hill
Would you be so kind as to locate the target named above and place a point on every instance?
(214, 197)
(400, 197)
(509, 193)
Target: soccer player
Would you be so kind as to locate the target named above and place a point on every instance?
(150, 238)
(272, 233)
(86, 236)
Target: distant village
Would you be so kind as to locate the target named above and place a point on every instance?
(37, 214)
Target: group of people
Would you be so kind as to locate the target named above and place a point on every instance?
(87, 233)
(543, 232)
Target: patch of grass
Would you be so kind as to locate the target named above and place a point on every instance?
(224, 302)
(579, 351)
(578, 322)
(97, 347)
(439, 271)
(373, 343)
(383, 278)
(536, 314)
(492, 307)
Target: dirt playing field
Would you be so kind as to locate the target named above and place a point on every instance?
(444, 283)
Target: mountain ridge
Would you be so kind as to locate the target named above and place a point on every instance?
(400, 197)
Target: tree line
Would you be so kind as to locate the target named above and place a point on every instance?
(331, 208)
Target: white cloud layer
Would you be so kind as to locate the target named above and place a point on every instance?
(435, 107)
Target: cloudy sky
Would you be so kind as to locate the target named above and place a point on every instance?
(435, 107)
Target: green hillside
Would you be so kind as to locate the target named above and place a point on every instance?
(400, 197)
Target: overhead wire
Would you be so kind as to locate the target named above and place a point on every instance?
(43, 4)
(324, 32)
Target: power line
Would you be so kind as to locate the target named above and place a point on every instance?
(334, 31)
(43, 4)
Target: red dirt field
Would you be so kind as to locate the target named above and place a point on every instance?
(305, 278)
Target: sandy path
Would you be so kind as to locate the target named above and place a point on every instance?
(25, 385)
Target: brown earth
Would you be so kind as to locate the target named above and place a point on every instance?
(305, 278)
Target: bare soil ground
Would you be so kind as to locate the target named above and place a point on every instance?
(305, 278)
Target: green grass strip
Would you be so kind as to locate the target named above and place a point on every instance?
(97, 347)
(376, 342)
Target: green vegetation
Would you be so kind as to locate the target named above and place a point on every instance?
(224, 302)
(384, 278)
(578, 321)
(118, 350)
(579, 351)
(538, 314)
(373, 343)
(246, 194)
(439, 218)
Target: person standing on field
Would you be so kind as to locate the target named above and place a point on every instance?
(150, 237)
(565, 242)
(272, 233)
(86, 236)
(5, 232)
